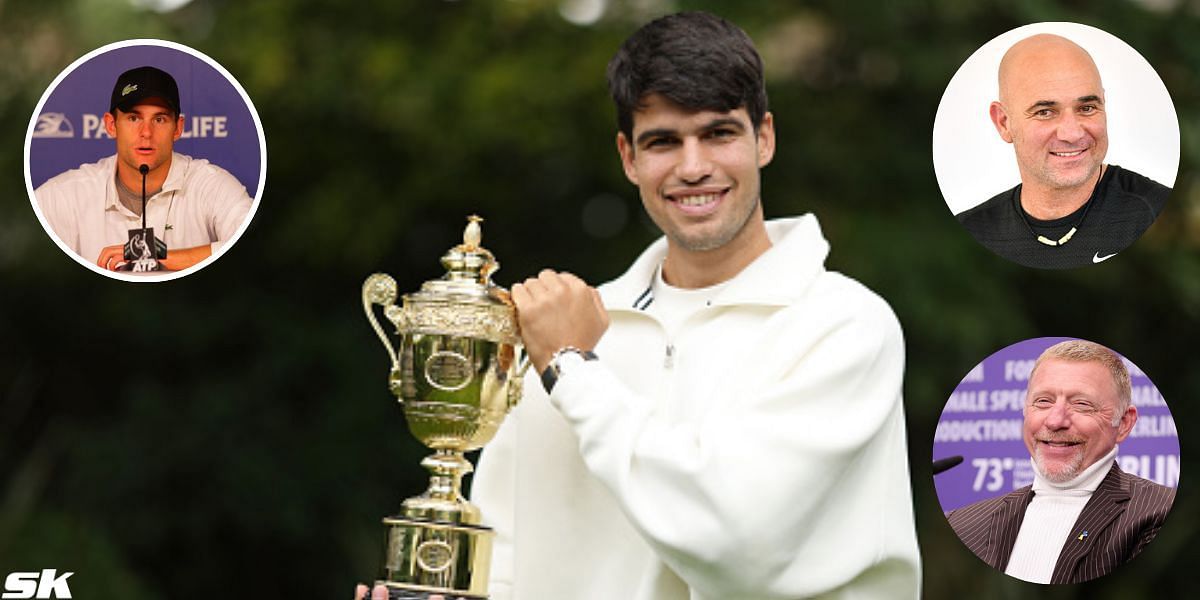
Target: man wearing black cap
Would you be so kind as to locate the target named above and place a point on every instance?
(192, 205)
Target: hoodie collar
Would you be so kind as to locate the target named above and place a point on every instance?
(778, 277)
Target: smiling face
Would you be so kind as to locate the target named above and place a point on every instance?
(1051, 110)
(145, 135)
(1070, 408)
(697, 171)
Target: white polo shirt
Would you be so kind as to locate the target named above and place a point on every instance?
(200, 203)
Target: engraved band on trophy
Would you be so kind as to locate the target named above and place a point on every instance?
(457, 373)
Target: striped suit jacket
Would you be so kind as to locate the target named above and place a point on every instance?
(1122, 516)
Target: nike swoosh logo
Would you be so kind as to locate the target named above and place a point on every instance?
(1096, 258)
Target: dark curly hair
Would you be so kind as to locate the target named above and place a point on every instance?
(695, 59)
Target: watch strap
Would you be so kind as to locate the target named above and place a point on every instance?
(550, 374)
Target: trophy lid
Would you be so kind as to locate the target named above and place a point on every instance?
(468, 278)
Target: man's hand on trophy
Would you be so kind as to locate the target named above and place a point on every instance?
(556, 310)
(380, 592)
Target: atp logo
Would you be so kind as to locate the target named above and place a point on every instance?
(53, 125)
(47, 584)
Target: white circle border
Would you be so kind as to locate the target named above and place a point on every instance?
(262, 150)
(960, 140)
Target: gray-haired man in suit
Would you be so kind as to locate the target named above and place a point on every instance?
(1083, 515)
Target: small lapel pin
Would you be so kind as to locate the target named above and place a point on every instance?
(1082, 536)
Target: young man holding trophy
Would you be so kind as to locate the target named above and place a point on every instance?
(724, 420)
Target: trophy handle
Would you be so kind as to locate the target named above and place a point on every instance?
(517, 385)
(380, 289)
(524, 364)
(505, 296)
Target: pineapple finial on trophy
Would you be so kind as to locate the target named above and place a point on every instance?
(473, 234)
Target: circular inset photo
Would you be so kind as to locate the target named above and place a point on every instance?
(1056, 145)
(145, 160)
(1056, 460)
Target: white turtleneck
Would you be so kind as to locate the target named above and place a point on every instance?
(1049, 518)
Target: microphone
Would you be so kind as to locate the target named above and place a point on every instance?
(143, 250)
(942, 465)
(143, 169)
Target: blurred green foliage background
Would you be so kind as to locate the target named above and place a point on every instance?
(230, 434)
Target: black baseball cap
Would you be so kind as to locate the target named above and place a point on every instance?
(136, 85)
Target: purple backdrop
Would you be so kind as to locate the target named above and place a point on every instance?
(218, 124)
(982, 422)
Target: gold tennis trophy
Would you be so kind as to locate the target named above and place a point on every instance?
(457, 373)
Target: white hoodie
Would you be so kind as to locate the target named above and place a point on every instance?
(766, 459)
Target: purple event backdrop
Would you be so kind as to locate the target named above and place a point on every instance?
(218, 124)
(982, 422)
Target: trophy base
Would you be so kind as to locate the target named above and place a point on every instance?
(424, 559)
